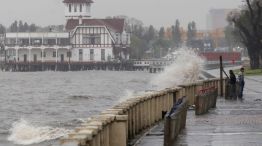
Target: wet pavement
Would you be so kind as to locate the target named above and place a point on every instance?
(232, 123)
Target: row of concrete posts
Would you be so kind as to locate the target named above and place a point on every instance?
(120, 124)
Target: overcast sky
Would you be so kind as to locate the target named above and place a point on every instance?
(156, 12)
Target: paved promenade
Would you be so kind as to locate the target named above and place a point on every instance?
(232, 123)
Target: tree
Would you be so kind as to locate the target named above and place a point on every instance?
(138, 47)
(32, 28)
(26, 27)
(14, 27)
(231, 36)
(161, 44)
(194, 29)
(162, 33)
(150, 34)
(2, 29)
(248, 23)
(191, 33)
(176, 34)
(21, 26)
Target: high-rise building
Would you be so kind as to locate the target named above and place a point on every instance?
(217, 18)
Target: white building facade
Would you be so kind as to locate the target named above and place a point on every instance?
(84, 39)
(37, 47)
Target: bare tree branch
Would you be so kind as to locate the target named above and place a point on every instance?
(250, 9)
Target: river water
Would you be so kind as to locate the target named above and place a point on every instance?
(37, 108)
(41, 106)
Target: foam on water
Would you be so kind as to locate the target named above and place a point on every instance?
(24, 133)
(185, 69)
(132, 94)
(128, 94)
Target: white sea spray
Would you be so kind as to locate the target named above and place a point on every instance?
(25, 133)
(186, 68)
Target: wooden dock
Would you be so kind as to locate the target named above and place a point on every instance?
(66, 66)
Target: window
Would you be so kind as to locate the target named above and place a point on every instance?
(109, 58)
(68, 54)
(85, 39)
(70, 8)
(54, 54)
(80, 54)
(43, 54)
(103, 55)
(117, 39)
(81, 7)
(11, 52)
(36, 42)
(75, 7)
(93, 39)
(91, 54)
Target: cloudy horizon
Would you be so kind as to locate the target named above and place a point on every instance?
(155, 12)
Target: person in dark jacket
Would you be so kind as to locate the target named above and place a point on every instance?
(241, 82)
(232, 83)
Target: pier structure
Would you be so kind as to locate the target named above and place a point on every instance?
(152, 65)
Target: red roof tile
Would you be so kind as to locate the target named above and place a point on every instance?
(115, 24)
(78, 1)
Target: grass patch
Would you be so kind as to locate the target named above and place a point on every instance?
(250, 72)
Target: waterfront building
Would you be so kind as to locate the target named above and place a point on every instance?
(84, 39)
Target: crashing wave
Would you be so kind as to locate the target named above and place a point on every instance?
(186, 68)
(24, 133)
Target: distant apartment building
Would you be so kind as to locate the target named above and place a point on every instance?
(217, 18)
(84, 39)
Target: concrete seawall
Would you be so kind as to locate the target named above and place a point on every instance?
(122, 123)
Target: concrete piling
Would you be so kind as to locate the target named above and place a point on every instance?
(120, 124)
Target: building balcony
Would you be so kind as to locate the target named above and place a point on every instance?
(11, 46)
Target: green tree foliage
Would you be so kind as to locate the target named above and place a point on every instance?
(232, 36)
(14, 27)
(145, 39)
(26, 27)
(162, 33)
(138, 47)
(150, 34)
(161, 44)
(176, 34)
(32, 28)
(2, 29)
(191, 33)
(19, 26)
(138, 44)
(248, 24)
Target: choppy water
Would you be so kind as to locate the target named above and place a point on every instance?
(37, 108)
(44, 105)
